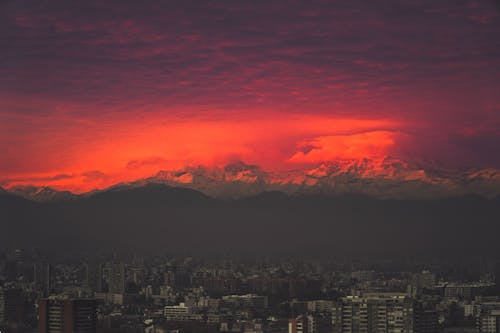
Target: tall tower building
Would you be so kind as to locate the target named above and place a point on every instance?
(95, 277)
(42, 278)
(67, 315)
(117, 278)
(12, 307)
(2, 307)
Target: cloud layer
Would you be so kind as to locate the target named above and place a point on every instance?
(125, 88)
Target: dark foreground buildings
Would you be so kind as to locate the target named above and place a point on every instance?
(64, 315)
(185, 294)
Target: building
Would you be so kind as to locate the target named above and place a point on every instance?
(11, 270)
(472, 309)
(298, 325)
(426, 320)
(2, 307)
(116, 278)
(42, 274)
(12, 307)
(363, 276)
(94, 277)
(374, 313)
(320, 306)
(177, 310)
(319, 323)
(466, 291)
(423, 280)
(489, 323)
(138, 275)
(248, 301)
(180, 312)
(64, 315)
(488, 317)
(169, 279)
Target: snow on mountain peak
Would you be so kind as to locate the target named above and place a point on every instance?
(383, 177)
(41, 193)
(386, 167)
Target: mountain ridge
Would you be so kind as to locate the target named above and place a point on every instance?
(384, 177)
(157, 216)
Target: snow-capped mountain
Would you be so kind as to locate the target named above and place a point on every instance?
(385, 177)
(381, 177)
(42, 193)
(234, 172)
(233, 180)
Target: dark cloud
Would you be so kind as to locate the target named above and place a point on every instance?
(37, 179)
(47, 178)
(95, 175)
(228, 54)
(434, 64)
(154, 160)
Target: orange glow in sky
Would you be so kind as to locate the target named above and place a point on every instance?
(81, 159)
(93, 94)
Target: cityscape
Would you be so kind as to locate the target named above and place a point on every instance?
(180, 293)
(250, 166)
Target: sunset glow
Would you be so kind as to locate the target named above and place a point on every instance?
(98, 158)
(88, 101)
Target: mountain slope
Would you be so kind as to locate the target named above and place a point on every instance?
(385, 177)
(158, 217)
(42, 193)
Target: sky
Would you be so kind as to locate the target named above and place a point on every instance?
(94, 93)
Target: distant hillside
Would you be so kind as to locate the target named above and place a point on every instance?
(156, 216)
(385, 177)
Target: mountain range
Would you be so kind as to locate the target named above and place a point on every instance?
(385, 177)
(368, 207)
(158, 217)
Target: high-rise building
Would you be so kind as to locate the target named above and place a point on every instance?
(138, 275)
(2, 307)
(426, 319)
(488, 317)
(12, 307)
(423, 280)
(374, 313)
(67, 315)
(169, 278)
(319, 323)
(298, 325)
(11, 270)
(115, 274)
(94, 277)
(42, 277)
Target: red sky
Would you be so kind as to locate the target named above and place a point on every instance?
(92, 94)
